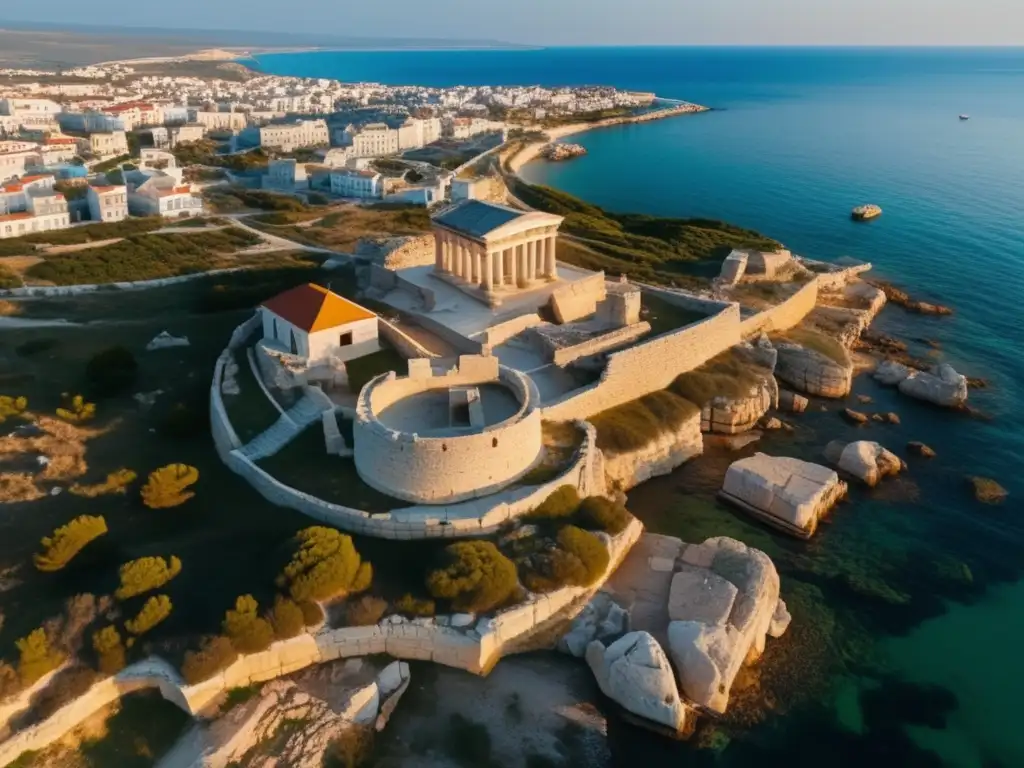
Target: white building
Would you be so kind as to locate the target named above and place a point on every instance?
(88, 122)
(32, 205)
(30, 111)
(152, 159)
(15, 157)
(352, 183)
(57, 149)
(335, 157)
(313, 323)
(285, 175)
(218, 121)
(107, 145)
(372, 140)
(467, 127)
(291, 136)
(108, 203)
(161, 195)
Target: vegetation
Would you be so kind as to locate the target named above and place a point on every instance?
(312, 613)
(144, 257)
(344, 227)
(247, 631)
(108, 165)
(109, 650)
(77, 410)
(112, 371)
(116, 482)
(412, 606)
(234, 199)
(9, 278)
(325, 565)
(67, 541)
(36, 657)
(154, 611)
(819, 342)
(66, 686)
(645, 248)
(562, 503)
(635, 424)
(214, 654)
(87, 233)
(365, 611)
(286, 618)
(727, 375)
(475, 577)
(11, 406)
(362, 369)
(597, 513)
(146, 574)
(166, 487)
(204, 152)
(578, 560)
(352, 748)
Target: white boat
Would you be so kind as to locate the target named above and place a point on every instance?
(965, 117)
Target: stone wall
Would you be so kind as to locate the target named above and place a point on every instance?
(650, 366)
(398, 252)
(72, 290)
(611, 340)
(402, 342)
(783, 316)
(502, 332)
(578, 299)
(659, 457)
(837, 279)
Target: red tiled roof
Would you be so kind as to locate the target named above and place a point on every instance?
(313, 308)
(16, 216)
(13, 188)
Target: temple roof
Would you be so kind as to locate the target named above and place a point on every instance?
(482, 221)
(314, 308)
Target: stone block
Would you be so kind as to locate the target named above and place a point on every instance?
(420, 368)
(700, 595)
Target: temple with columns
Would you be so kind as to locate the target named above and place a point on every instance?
(493, 251)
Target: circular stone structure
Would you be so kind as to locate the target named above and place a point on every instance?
(439, 436)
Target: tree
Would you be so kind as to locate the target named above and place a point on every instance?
(112, 371)
(76, 409)
(11, 406)
(325, 565)
(476, 577)
(247, 632)
(67, 541)
(154, 611)
(36, 658)
(561, 503)
(597, 513)
(145, 574)
(116, 482)
(286, 618)
(214, 654)
(166, 486)
(109, 650)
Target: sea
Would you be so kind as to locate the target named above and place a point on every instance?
(909, 607)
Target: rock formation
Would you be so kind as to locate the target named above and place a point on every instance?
(944, 386)
(788, 493)
(867, 461)
(602, 619)
(724, 601)
(812, 372)
(659, 457)
(731, 416)
(890, 373)
(791, 401)
(634, 672)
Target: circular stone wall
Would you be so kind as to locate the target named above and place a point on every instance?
(403, 449)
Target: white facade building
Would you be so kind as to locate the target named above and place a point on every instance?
(291, 136)
(107, 145)
(285, 175)
(32, 205)
(352, 183)
(372, 140)
(15, 157)
(161, 195)
(108, 203)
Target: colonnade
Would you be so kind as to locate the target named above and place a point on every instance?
(493, 266)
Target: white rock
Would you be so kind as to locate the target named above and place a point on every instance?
(868, 461)
(634, 672)
(362, 705)
(390, 678)
(944, 387)
(164, 340)
(661, 564)
(812, 372)
(462, 619)
(780, 620)
(891, 373)
(698, 594)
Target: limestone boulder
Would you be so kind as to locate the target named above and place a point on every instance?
(667, 451)
(812, 372)
(792, 402)
(865, 460)
(601, 619)
(788, 493)
(733, 268)
(890, 373)
(634, 672)
(733, 415)
(761, 352)
(723, 604)
(944, 386)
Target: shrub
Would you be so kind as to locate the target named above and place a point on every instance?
(578, 560)
(145, 574)
(726, 375)
(214, 654)
(476, 577)
(599, 514)
(166, 486)
(635, 424)
(412, 606)
(11, 406)
(112, 371)
(352, 748)
(10, 683)
(67, 541)
(286, 618)
(109, 650)
(312, 613)
(36, 657)
(154, 610)
(562, 503)
(65, 687)
(588, 548)
(76, 410)
(243, 626)
(365, 611)
(325, 565)
(116, 482)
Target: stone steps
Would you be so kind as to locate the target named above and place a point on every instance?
(282, 431)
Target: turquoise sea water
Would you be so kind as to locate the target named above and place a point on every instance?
(915, 582)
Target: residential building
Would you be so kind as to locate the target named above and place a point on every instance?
(134, 114)
(372, 140)
(152, 159)
(291, 136)
(30, 111)
(32, 205)
(334, 157)
(218, 121)
(468, 127)
(15, 157)
(179, 134)
(107, 145)
(89, 122)
(362, 184)
(108, 203)
(57, 149)
(160, 195)
(315, 324)
(285, 175)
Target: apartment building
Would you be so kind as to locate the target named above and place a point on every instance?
(107, 203)
(106, 145)
(30, 112)
(160, 195)
(291, 136)
(15, 157)
(57, 149)
(32, 205)
(285, 175)
(89, 122)
(352, 183)
(218, 121)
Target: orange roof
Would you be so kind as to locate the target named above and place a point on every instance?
(62, 140)
(313, 308)
(175, 191)
(16, 216)
(37, 177)
(13, 188)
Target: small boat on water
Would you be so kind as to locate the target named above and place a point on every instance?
(965, 117)
(865, 212)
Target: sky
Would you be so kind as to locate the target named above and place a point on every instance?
(577, 22)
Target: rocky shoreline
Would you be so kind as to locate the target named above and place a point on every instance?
(562, 151)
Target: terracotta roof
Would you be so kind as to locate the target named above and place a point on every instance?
(13, 188)
(16, 216)
(37, 177)
(313, 308)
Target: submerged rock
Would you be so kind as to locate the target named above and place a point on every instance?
(891, 373)
(788, 493)
(943, 387)
(869, 462)
(987, 491)
(791, 401)
(921, 450)
(812, 372)
(164, 340)
(634, 672)
(855, 417)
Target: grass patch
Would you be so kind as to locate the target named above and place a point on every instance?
(285, 218)
(342, 228)
(635, 424)
(726, 375)
(819, 342)
(144, 257)
(362, 369)
(250, 411)
(240, 695)
(664, 316)
(9, 278)
(88, 233)
(204, 152)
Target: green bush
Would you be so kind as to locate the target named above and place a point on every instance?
(111, 371)
(245, 629)
(412, 606)
(215, 653)
(286, 618)
(365, 611)
(325, 565)
(727, 375)
(10, 683)
(819, 342)
(578, 560)
(36, 657)
(475, 577)
(109, 650)
(312, 613)
(562, 503)
(154, 611)
(145, 574)
(597, 513)
(67, 541)
(634, 425)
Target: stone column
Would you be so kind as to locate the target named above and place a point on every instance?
(550, 264)
(531, 260)
(498, 258)
(514, 271)
(476, 259)
(438, 253)
(488, 268)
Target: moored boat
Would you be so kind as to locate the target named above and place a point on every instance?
(965, 117)
(865, 212)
